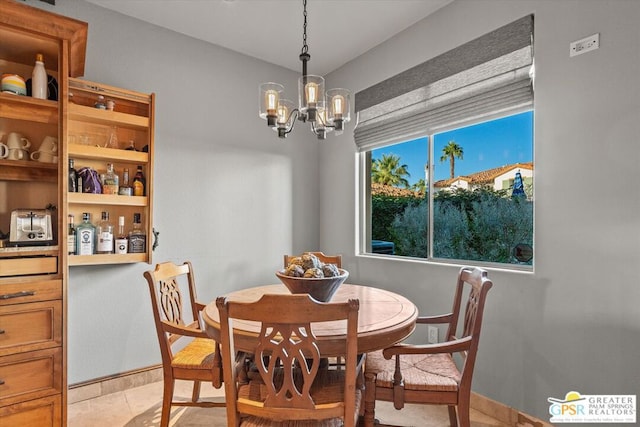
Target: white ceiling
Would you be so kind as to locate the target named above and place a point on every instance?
(337, 30)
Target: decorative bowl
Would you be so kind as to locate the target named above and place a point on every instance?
(13, 83)
(321, 289)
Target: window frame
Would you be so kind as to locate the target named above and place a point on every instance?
(364, 205)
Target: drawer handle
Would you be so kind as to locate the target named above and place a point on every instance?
(18, 295)
(1, 382)
(1, 331)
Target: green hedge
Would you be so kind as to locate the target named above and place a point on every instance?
(480, 225)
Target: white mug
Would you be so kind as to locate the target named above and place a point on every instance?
(15, 140)
(50, 144)
(4, 151)
(42, 156)
(18, 154)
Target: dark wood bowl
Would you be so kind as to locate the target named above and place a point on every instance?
(321, 289)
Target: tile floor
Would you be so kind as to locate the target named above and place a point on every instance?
(140, 407)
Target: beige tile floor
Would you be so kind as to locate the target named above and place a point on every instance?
(140, 407)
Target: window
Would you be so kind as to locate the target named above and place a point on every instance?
(447, 163)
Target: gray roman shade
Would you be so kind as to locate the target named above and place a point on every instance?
(483, 79)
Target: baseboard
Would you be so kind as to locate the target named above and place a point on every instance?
(503, 413)
(113, 383)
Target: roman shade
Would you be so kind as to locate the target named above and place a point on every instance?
(485, 78)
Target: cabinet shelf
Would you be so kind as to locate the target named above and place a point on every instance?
(27, 170)
(105, 117)
(114, 154)
(29, 251)
(106, 259)
(106, 199)
(19, 107)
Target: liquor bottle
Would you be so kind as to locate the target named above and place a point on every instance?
(111, 182)
(139, 183)
(137, 237)
(105, 235)
(39, 79)
(125, 190)
(85, 236)
(122, 241)
(73, 178)
(71, 236)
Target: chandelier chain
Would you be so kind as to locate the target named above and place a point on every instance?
(305, 48)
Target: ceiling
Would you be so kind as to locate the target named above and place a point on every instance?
(271, 30)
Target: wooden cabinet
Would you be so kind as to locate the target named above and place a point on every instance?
(33, 278)
(122, 137)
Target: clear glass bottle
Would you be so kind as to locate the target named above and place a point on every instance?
(139, 183)
(112, 138)
(125, 189)
(122, 240)
(39, 79)
(73, 178)
(85, 236)
(71, 236)
(137, 236)
(105, 235)
(111, 182)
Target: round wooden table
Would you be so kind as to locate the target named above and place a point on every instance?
(385, 318)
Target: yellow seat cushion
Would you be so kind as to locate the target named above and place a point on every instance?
(199, 353)
(429, 372)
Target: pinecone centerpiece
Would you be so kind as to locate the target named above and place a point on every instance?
(306, 274)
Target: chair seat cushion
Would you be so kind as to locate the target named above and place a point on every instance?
(198, 354)
(429, 372)
(328, 387)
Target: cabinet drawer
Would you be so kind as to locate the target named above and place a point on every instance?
(31, 375)
(46, 412)
(28, 327)
(22, 292)
(28, 266)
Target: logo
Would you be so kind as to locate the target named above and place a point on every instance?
(577, 408)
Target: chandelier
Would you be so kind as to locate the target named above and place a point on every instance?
(325, 112)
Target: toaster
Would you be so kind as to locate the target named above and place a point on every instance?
(30, 227)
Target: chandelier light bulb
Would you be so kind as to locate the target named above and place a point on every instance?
(269, 97)
(338, 106)
(312, 94)
(283, 114)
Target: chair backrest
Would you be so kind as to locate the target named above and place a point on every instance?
(327, 259)
(473, 285)
(168, 306)
(288, 358)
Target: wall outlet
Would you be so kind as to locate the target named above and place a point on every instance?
(584, 45)
(433, 335)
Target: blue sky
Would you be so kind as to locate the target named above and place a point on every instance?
(486, 145)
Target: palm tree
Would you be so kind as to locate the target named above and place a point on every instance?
(388, 171)
(420, 186)
(450, 152)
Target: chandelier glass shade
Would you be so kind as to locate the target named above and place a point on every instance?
(325, 111)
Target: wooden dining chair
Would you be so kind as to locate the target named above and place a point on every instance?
(327, 259)
(199, 360)
(285, 381)
(428, 373)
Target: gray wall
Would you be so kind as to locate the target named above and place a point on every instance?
(232, 199)
(573, 324)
